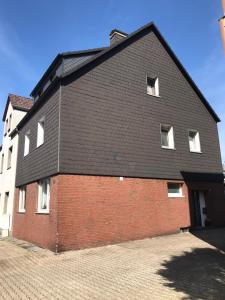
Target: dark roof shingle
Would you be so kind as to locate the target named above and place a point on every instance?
(18, 102)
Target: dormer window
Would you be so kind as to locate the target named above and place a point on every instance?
(153, 86)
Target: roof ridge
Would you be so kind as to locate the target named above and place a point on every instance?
(83, 51)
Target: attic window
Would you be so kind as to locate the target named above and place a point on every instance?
(194, 141)
(153, 86)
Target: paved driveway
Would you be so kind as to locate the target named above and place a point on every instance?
(181, 266)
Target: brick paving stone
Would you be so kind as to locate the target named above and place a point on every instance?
(181, 266)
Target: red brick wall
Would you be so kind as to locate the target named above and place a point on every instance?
(88, 211)
(97, 210)
(36, 228)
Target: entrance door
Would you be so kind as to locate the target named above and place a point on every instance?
(199, 208)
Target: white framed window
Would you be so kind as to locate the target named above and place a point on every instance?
(22, 199)
(41, 132)
(5, 204)
(2, 163)
(174, 189)
(167, 136)
(43, 195)
(6, 127)
(153, 86)
(194, 141)
(9, 157)
(10, 122)
(27, 143)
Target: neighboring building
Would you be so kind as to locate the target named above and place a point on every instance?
(222, 25)
(119, 145)
(16, 108)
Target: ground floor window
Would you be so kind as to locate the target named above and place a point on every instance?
(22, 199)
(5, 204)
(174, 189)
(43, 195)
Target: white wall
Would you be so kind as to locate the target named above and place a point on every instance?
(7, 178)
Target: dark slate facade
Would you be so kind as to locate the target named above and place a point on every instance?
(110, 126)
(42, 161)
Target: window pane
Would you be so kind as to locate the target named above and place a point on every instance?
(26, 144)
(43, 195)
(40, 133)
(194, 141)
(173, 188)
(165, 138)
(22, 199)
(5, 207)
(152, 86)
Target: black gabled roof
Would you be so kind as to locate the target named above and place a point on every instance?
(103, 53)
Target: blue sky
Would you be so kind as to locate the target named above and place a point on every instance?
(33, 32)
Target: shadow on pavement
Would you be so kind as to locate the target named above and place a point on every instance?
(214, 237)
(199, 273)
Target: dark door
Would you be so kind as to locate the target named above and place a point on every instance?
(198, 209)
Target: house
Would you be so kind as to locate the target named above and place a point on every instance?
(16, 108)
(120, 144)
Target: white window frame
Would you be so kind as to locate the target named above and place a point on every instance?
(150, 91)
(197, 148)
(41, 199)
(27, 143)
(5, 204)
(171, 144)
(41, 132)
(2, 163)
(6, 127)
(10, 122)
(9, 162)
(175, 195)
(22, 199)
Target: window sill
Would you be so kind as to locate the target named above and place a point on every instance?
(38, 146)
(198, 152)
(21, 212)
(168, 148)
(175, 196)
(157, 96)
(42, 212)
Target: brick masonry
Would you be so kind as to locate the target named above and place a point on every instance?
(88, 211)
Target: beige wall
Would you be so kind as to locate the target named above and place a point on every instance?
(7, 178)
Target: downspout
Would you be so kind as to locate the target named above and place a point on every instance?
(57, 182)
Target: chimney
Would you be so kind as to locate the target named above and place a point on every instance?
(116, 36)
